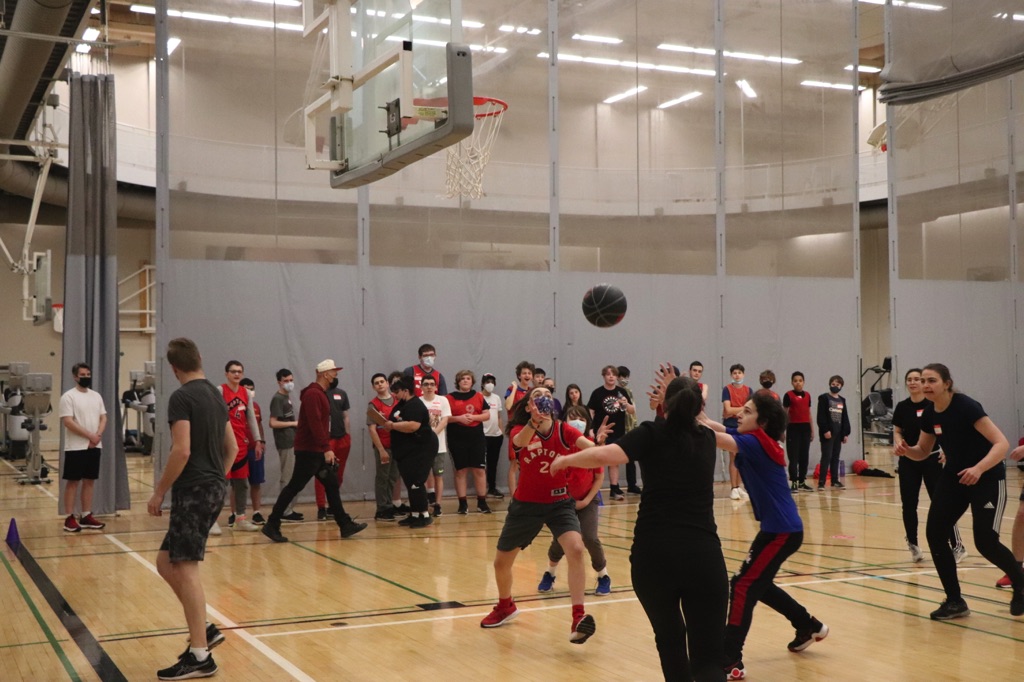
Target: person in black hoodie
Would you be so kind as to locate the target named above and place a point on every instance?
(834, 430)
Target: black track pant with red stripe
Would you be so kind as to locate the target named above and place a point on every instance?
(755, 582)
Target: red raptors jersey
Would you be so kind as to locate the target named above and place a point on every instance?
(464, 403)
(536, 483)
(799, 407)
(417, 378)
(238, 403)
(384, 409)
(581, 481)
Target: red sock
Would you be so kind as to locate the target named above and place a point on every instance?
(577, 611)
(505, 603)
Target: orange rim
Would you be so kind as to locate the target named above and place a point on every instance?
(477, 102)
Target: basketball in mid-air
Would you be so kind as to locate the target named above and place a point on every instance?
(604, 305)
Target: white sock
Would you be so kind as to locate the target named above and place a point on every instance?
(86, 513)
(201, 654)
(396, 503)
(603, 572)
(553, 570)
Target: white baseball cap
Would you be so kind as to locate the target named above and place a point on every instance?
(326, 366)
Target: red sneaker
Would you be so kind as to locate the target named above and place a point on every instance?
(583, 627)
(1003, 583)
(89, 521)
(71, 525)
(499, 615)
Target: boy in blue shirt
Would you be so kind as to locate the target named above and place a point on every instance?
(762, 465)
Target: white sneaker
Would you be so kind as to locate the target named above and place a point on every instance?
(743, 494)
(242, 523)
(959, 553)
(915, 552)
(735, 494)
(215, 529)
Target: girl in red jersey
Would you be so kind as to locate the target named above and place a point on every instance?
(466, 442)
(542, 499)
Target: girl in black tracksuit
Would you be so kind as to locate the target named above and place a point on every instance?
(974, 476)
(678, 570)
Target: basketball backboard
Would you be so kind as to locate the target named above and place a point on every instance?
(391, 84)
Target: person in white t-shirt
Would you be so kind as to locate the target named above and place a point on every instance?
(84, 418)
(440, 410)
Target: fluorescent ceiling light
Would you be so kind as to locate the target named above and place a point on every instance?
(203, 16)
(607, 40)
(172, 45)
(283, 3)
(143, 9)
(633, 66)
(623, 95)
(903, 3)
(509, 28)
(734, 55)
(862, 68)
(835, 86)
(95, 10)
(747, 90)
(90, 34)
(679, 100)
(1007, 15)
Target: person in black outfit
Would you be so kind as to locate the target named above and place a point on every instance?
(610, 401)
(678, 570)
(906, 426)
(833, 429)
(974, 476)
(414, 446)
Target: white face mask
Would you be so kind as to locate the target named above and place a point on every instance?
(578, 424)
(289, 386)
(428, 361)
(489, 387)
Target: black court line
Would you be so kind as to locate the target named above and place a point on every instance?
(101, 663)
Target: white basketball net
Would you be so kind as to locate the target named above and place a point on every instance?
(464, 170)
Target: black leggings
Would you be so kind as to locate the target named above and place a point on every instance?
(798, 449)
(683, 586)
(912, 474)
(987, 500)
(755, 582)
(307, 465)
(830, 450)
(414, 469)
(493, 456)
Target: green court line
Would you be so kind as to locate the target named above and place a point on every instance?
(369, 573)
(15, 646)
(908, 613)
(54, 642)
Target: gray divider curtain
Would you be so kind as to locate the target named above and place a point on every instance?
(90, 274)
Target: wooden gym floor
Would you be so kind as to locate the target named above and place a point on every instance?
(393, 604)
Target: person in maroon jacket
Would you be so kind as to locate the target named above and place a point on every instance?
(313, 456)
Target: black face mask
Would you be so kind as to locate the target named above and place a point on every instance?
(334, 383)
(85, 382)
(766, 384)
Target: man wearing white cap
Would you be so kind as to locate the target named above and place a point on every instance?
(313, 456)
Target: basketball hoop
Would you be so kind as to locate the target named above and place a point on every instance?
(58, 317)
(464, 169)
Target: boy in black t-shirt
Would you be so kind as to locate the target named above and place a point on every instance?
(611, 401)
(203, 448)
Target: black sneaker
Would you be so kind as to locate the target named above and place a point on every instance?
(432, 497)
(322, 515)
(258, 519)
(437, 510)
(794, 487)
(231, 521)
(804, 638)
(735, 671)
(463, 507)
(804, 488)
(950, 609)
(385, 515)
(482, 507)
(213, 637)
(188, 668)
(496, 494)
(1017, 603)
(420, 521)
(273, 532)
(634, 490)
(838, 485)
(403, 509)
(350, 528)
(294, 517)
(407, 521)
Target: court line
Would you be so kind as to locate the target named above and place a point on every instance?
(432, 619)
(50, 637)
(363, 570)
(245, 636)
